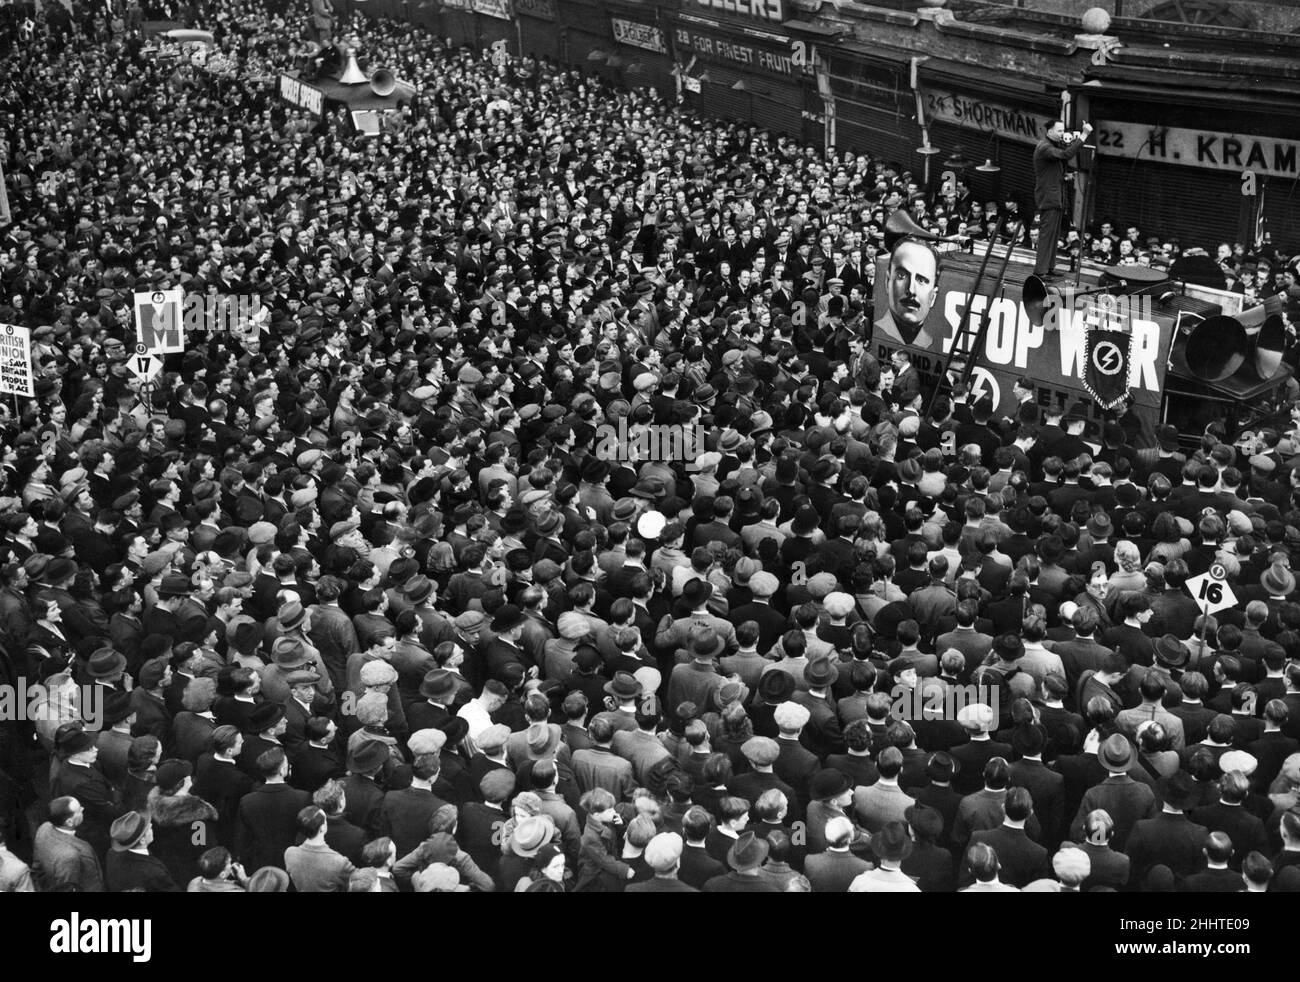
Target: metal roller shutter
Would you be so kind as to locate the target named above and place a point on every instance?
(540, 38)
(579, 44)
(425, 15)
(650, 71)
(1015, 159)
(717, 98)
(886, 134)
(776, 107)
(459, 26)
(1281, 214)
(493, 29)
(1199, 207)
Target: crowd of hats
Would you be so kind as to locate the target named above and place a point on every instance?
(452, 321)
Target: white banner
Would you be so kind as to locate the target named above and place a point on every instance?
(159, 322)
(639, 35)
(16, 361)
(976, 113)
(1267, 156)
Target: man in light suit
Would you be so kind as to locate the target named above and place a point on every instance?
(61, 861)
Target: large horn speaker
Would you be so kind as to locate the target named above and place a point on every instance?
(1034, 293)
(900, 225)
(352, 73)
(1219, 346)
(383, 82)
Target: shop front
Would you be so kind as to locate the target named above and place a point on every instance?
(642, 50)
(496, 24)
(539, 34)
(1200, 177)
(458, 22)
(751, 74)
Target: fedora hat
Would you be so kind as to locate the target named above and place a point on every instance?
(438, 682)
(748, 852)
(531, 834)
(367, 756)
(697, 591)
(265, 716)
(648, 487)
(105, 663)
(1170, 651)
(507, 617)
(776, 686)
(623, 687)
(820, 673)
(127, 830)
(289, 653)
(1277, 580)
(730, 440)
(1116, 754)
(806, 521)
(291, 615)
(174, 585)
(543, 740)
(892, 842)
(942, 766)
(417, 589)
(926, 820)
(829, 782)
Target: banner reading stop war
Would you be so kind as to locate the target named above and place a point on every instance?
(920, 311)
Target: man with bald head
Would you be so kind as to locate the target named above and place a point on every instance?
(912, 287)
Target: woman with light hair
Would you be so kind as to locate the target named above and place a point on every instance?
(1129, 576)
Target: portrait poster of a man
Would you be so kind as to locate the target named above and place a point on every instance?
(911, 287)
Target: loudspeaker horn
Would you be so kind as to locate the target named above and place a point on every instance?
(383, 82)
(352, 73)
(900, 225)
(1218, 347)
(1034, 292)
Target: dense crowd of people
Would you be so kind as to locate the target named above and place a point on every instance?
(364, 596)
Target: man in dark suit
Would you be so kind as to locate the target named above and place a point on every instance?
(265, 727)
(1229, 815)
(977, 719)
(317, 759)
(1216, 877)
(1022, 860)
(697, 867)
(939, 794)
(1125, 800)
(219, 781)
(1050, 156)
(795, 764)
(481, 822)
(267, 820)
(1171, 838)
(930, 865)
(833, 870)
(1271, 749)
(1045, 787)
(405, 814)
(79, 779)
(1109, 868)
(129, 867)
